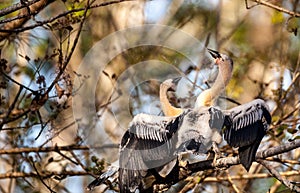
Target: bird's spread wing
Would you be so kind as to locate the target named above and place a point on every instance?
(248, 125)
(148, 143)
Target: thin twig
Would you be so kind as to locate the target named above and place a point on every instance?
(11, 107)
(24, 113)
(283, 161)
(17, 83)
(230, 180)
(40, 177)
(277, 175)
(41, 123)
(230, 100)
(55, 134)
(81, 164)
(66, 157)
(68, 58)
(29, 11)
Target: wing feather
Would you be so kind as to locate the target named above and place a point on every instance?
(150, 127)
(249, 125)
(148, 143)
(245, 118)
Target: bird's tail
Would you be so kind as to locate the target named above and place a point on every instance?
(247, 154)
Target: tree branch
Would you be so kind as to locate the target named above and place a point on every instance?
(43, 175)
(20, 28)
(278, 150)
(278, 8)
(249, 176)
(229, 161)
(277, 175)
(16, 7)
(52, 149)
(40, 177)
(11, 107)
(29, 11)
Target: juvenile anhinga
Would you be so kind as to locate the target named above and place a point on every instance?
(225, 64)
(166, 106)
(247, 126)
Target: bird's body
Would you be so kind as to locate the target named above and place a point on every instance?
(153, 143)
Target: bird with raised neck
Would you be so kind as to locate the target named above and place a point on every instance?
(166, 106)
(225, 64)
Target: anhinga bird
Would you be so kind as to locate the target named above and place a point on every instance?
(225, 64)
(166, 106)
(247, 121)
(152, 145)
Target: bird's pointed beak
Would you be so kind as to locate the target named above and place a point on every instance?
(176, 80)
(174, 84)
(214, 53)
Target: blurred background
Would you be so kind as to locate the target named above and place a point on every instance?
(43, 43)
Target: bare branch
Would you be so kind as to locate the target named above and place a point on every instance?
(229, 161)
(249, 176)
(68, 58)
(20, 28)
(278, 8)
(278, 150)
(16, 7)
(230, 180)
(277, 175)
(53, 149)
(11, 107)
(44, 175)
(40, 177)
(34, 9)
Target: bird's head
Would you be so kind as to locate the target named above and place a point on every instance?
(220, 58)
(169, 85)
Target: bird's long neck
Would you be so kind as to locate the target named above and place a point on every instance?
(166, 106)
(223, 78)
(207, 97)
